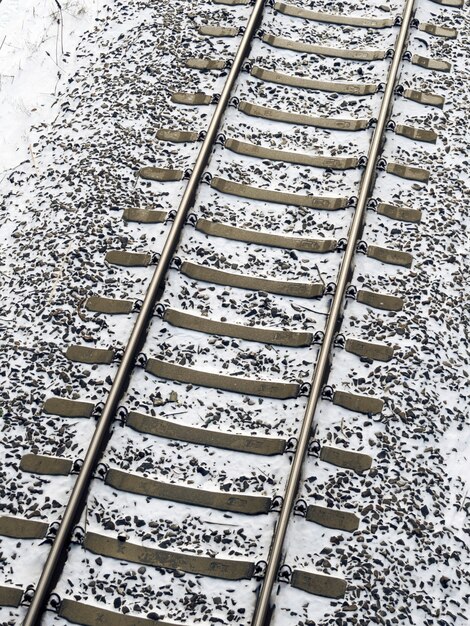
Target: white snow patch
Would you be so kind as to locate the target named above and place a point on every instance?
(37, 46)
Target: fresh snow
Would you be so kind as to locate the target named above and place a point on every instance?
(65, 182)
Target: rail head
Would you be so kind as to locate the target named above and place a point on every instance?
(262, 608)
(57, 554)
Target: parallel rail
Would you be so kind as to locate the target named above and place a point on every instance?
(321, 367)
(77, 499)
(57, 555)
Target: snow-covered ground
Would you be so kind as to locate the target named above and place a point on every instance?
(38, 44)
(61, 212)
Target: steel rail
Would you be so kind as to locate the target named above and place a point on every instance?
(75, 505)
(367, 182)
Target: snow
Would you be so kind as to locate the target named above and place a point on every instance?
(38, 44)
(62, 212)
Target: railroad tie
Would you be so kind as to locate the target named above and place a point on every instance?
(177, 136)
(260, 152)
(348, 459)
(277, 115)
(19, 528)
(437, 31)
(128, 259)
(319, 584)
(218, 31)
(332, 518)
(232, 3)
(381, 301)
(337, 53)
(305, 244)
(44, 464)
(402, 214)
(68, 408)
(205, 64)
(418, 134)
(329, 18)
(263, 388)
(438, 65)
(90, 615)
(273, 336)
(252, 444)
(160, 174)
(369, 350)
(357, 402)
(191, 99)
(265, 195)
(10, 596)
(112, 306)
(227, 569)
(244, 503)
(144, 216)
(406, 171)
(424, 97)
(350, 88)
(455, 4)
(243, 281)
(84, 354)
(391, 257)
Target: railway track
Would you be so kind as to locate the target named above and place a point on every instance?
(241, 317)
